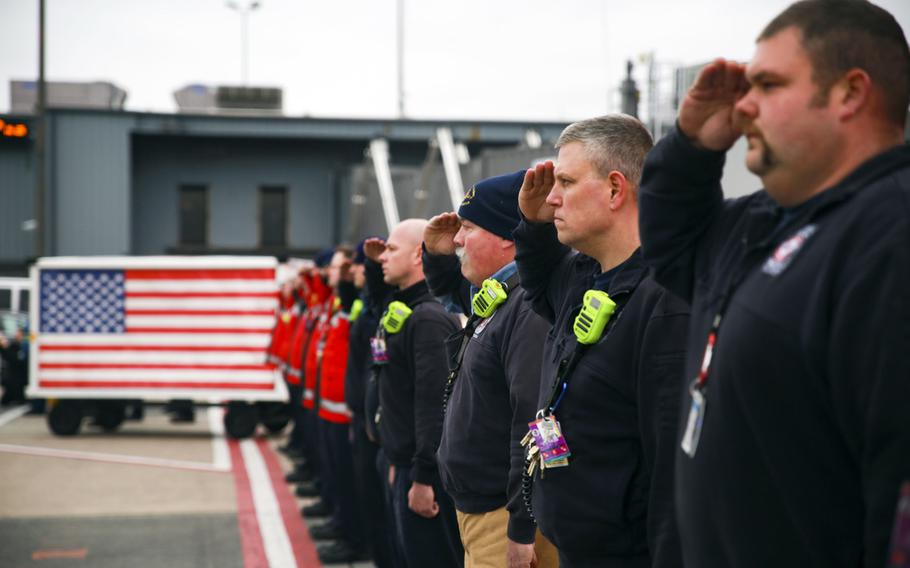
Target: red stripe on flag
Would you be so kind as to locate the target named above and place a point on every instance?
(213, 330)
(58, 347)
(250, 536)
(201, 294)
(200, 312)
(204, 274)
(63, 384)
(261, 367)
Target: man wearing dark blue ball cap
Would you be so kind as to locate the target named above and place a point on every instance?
(492, 397)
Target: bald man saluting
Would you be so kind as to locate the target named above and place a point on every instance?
(410, 367)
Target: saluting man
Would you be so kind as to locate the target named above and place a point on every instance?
(612, 367)
(410, 364)
(797, 416)
(495, 382)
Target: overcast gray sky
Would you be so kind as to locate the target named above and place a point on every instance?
(496, 59)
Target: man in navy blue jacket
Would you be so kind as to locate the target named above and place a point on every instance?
(493, 395)
(796, 429)
(612, 506)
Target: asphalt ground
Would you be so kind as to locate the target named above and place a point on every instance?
(152, 494)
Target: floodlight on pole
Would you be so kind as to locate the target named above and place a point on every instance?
(244, 10)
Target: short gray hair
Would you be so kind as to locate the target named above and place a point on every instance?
(613, 142)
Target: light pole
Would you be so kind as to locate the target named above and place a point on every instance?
(244, 11)
(399, 48)
(40, 140)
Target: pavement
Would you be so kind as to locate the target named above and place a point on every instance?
(152, 494)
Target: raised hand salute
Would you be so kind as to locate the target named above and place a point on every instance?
(707, 115)
(439, 236)
(532, 198)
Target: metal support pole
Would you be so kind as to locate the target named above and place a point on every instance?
(379, 154)
(399, 45)
(244, 11)
(450, 165)
(244, 47)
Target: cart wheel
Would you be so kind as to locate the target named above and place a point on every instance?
(65, 418)
(110, 415)
(274, 415)
(240, 420)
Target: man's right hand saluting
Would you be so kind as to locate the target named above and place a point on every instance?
(439, 235)
(532, 199)
(707, 113)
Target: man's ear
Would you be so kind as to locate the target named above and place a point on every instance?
(851, 93)
(619, 189)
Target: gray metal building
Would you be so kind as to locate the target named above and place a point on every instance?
(140, 183)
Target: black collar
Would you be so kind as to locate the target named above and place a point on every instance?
(764, 212)
(414, 294)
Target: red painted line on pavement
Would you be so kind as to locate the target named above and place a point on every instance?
(304, 549)
(250, 537)
(79, 553)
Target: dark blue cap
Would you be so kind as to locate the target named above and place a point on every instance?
(492, 204)
(360, 256)
(324, 257)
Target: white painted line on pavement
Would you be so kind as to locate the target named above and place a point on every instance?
(110, 458)
(221, 456)
(12, 414)
(271, 525)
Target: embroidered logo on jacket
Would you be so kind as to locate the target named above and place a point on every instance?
(785, 252)
(483, 325)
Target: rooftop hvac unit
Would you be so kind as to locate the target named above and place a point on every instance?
(92, 95)
(230, 100)
(254, 98)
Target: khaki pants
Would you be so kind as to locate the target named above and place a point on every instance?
(485, 541)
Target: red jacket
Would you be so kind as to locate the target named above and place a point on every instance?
(281, 337)
(326, 363)
(316, 296)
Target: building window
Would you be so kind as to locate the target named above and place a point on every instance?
(194, 215)
(273, 216)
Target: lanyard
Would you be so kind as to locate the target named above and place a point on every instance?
(468, 333)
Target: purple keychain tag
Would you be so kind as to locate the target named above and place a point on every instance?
(549, 439)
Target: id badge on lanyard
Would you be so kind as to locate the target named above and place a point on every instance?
(378, 349)
(697, 410)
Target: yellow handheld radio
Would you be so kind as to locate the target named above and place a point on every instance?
(490, 296)
(596, 309)
(394, 317)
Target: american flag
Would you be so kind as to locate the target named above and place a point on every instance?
(165, 327)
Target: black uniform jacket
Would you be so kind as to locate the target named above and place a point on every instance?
(357, 373)
(412, 383)
(494, 397)
(807, 426)
(613, 504)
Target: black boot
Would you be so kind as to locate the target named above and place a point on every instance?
(317, 510)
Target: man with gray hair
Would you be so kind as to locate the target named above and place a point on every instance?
(602, 446)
